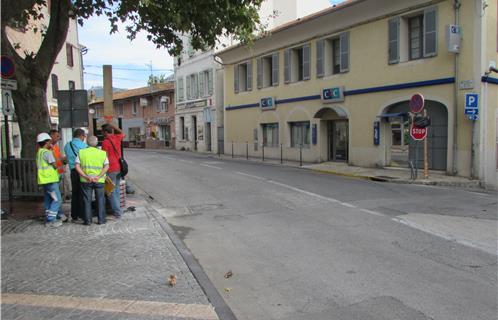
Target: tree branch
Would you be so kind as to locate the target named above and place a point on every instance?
(54, 37)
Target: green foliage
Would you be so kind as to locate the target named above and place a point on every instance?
(156, 79)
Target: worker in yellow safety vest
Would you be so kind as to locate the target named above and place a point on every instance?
(48, 178)
(92, 165)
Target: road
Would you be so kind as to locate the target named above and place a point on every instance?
(304, 245)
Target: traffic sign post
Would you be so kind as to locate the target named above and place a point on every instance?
(472, 106)
(8, 67)
(416, 103)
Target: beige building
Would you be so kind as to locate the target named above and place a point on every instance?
(336, 86)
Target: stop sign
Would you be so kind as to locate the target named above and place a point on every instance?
(418, 133)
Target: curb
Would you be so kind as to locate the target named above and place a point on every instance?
(220, 306)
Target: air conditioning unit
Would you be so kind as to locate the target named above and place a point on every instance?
(453, 38)
(165, 99)
(143, 102)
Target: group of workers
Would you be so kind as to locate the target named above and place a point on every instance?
(89, 167)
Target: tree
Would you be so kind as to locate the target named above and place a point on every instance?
(163, 20)
(156, 79)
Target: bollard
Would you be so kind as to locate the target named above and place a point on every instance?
(219, 149)
(232, 149)
(247, 150)
(281, 154)
(263, 151)
(300, 155)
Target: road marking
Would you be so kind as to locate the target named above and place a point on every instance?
(250, 175)
(373, 212)
(186, 161)
(209, 166)
(168, 158)
(349, 205)
(304, 192)
(137, 307)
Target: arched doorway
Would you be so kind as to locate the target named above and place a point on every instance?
(334, 133)
(402, 148)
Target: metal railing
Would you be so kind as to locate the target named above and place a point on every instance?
(278, 152)
(19, 178)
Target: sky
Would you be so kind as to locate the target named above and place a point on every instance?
(131, 60)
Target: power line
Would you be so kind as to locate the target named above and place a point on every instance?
(118, 78)
(127, 69)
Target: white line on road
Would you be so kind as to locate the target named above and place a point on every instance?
(349, 205)
(249, 175)
(186, 161)
(304, 191)
(373, 212)
(209, 166)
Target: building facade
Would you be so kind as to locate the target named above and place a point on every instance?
(147, 115)
(336, 86)
(199, 81)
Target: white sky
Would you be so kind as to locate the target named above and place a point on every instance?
(121, 53)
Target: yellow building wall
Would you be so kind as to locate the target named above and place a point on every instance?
(368, 68)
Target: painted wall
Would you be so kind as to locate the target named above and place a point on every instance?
(367, 23)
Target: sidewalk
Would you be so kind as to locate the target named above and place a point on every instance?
(393, 174)
(389, 174)
(119, 270)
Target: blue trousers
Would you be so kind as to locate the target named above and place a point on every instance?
(87, 192)
(52, 200)
(114, 198)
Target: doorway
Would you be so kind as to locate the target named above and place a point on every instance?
(194, 128)
(338, 138)
(207, 137)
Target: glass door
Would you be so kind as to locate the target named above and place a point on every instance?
(339, 140)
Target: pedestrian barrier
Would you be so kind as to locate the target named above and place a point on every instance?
(266, 151)
(19, 177)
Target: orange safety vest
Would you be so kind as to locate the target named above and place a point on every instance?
(58, 161)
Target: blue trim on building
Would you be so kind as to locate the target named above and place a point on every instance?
(305, 98)
(401, 86)
(242, 106)
(366, 90)
(489, 79)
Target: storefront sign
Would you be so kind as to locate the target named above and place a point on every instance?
(331, 95)
(376, 133)
(267, 103)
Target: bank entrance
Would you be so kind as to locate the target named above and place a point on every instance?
(334, 134)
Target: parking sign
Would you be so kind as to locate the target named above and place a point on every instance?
(472, 105)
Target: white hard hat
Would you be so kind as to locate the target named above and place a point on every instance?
(42, 137)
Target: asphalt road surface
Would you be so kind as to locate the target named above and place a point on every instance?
(305, 245)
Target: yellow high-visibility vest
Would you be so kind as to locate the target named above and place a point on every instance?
(46, 172)
(92, 162)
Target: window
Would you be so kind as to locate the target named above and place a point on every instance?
(332, 55)
(192, 87)
(120, 110)
(99, 111)
(69, 54)
(243, 77)
(162, 105)
(134, 107)
(270, 134)
(182, 128)
(179, 90)
(206, 83)
(412, 36)
(267, 71)
(297, 64)
(71, 85)
(300, 134)
(55, 85)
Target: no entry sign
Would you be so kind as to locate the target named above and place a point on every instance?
(8, 67)
(416, 103)
(418, 133)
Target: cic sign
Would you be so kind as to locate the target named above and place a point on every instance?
(331, 95)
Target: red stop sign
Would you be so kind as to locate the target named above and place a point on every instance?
(418, 133)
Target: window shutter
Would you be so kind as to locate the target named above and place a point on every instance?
(201, 84)
(287, 66)
(189, 89)
(249, 76)
(274, 67)
(320, 66)
(180, 89)
(259, 71)
(236, 78)
(430, 32)
(306, 62)
(344, 44)
(195, 86)
(210, 81)
(393, 45)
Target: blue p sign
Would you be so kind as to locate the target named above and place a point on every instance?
(471, 101)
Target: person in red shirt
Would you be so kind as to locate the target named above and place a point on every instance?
(113, 136)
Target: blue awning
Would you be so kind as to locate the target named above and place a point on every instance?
(394, 115)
